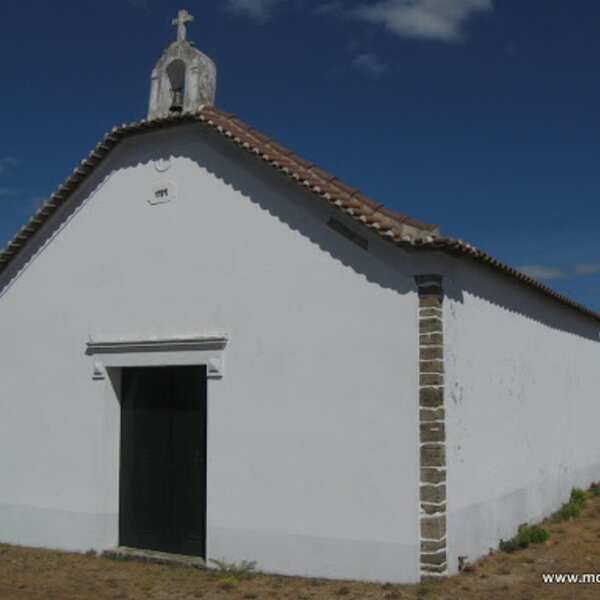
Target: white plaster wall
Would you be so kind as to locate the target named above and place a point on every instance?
(523, 407)
(312, 443)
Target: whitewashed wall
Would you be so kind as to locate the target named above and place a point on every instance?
(312, 446)
(523, 407)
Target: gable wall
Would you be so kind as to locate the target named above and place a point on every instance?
(312, 449)
(523, 406)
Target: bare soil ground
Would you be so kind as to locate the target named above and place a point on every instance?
(574, 547)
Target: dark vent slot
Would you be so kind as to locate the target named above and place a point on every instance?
(348, 233)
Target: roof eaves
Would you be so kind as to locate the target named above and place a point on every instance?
(460, 248)
(344, 197)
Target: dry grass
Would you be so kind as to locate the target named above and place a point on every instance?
(28, 574)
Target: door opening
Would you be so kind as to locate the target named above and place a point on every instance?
(163, 459)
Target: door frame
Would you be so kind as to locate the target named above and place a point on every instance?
(109, 354)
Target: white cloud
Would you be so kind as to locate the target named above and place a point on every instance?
(549, 272)
(330, 8)
(429, 19)
(587, 269)
(370, 64)
(541, 272)
(8, 163)
(259, 10)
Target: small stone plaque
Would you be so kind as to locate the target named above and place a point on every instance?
(163, 193)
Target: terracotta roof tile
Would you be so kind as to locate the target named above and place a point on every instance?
(279, 149)
(326, 176)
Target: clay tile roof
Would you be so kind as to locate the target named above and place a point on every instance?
(393, 226)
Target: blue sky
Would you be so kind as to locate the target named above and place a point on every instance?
(480, 115)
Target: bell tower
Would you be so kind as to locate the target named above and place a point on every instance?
(183, 78)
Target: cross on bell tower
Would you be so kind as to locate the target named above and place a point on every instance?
(183, 18)
(184, 78)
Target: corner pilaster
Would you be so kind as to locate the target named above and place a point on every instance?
(432, 426)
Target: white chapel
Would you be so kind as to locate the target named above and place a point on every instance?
(211, 347)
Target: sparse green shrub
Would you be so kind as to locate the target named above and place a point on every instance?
(242, 570)
(595, 489)
(343, 591)
(533, 534)
(249, 596)
(536, 534)
(508, 546)
(228, 582)
(572, 509)
(578, 496)
(569, 510)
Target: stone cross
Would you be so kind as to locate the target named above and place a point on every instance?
(180, 22)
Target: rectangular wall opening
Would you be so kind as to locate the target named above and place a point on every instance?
(163, 459)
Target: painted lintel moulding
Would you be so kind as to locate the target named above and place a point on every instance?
(146, 351)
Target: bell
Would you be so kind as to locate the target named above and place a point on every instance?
(177, 102)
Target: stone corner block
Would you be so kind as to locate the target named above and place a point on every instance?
(433, 528)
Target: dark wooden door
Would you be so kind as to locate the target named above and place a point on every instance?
(163, 459)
